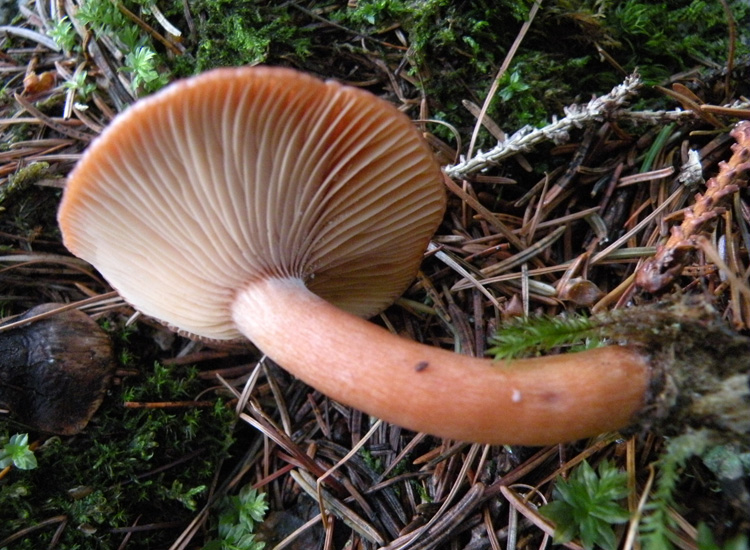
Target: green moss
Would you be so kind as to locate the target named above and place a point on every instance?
(22, 179)
(377, 13)
(29, 210)
(454, 48)
(243, 33)
(673, 34)
(146, 69)
(458, 48)
(587, 506)
(119, 469)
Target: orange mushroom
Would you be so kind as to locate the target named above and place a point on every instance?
(267, 204)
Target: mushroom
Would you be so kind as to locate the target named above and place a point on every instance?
(267, 204)
(55, 370)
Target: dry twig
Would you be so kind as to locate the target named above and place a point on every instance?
(673, 256)
(576, 116)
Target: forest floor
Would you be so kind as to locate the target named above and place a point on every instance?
(602, 128)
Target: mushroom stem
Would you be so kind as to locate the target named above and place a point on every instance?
(536, 401)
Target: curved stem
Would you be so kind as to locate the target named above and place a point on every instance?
(535, 401)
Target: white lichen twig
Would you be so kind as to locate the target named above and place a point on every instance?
(576, 116)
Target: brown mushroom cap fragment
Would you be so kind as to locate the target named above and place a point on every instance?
(242, 174)
(54, 372)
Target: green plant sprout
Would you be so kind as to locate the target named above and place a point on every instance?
(17, 452)
(586, 506)
(512, 85)
(103, 17)
(80, 85)
(522, 337)
(238, 517)
(140, 63)
(63, 34)
(184, 495)
(106, 19)
(724, 461)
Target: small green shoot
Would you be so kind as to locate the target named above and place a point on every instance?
(512, 85)
(238, 517)
(80, 85)
(17, 452)
(103, 17)
(586, 506)
(658, 522)
(184, 495)
(529, 336)
(141, 64)
(63, 34)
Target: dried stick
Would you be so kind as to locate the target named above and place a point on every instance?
(524, 139)
(671, 257)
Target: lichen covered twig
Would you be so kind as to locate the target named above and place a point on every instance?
(526, 138)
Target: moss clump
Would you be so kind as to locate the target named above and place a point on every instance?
(451, 51)
(247, 33)
(146, 465)
(22, 179)
(456, 49)
(28, 210)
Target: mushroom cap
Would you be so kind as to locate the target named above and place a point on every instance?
(242, 174)
(55, 372)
